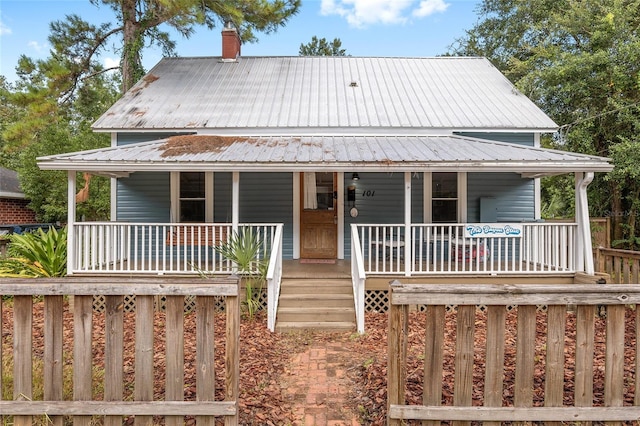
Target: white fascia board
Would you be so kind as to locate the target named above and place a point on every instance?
(532, 169)
(330, 131)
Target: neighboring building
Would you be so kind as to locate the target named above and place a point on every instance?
(14, 207)
(405, 166)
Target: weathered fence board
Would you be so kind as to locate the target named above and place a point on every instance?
(84, 406)
(144, 355)
(113, 354)
(544, 384)
(464, 356)
(555, 361)
(82, 353)
(494, 376)
(22, 349)
(175, 353)
(434, 340)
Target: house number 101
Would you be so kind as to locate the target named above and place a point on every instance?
(368, 193)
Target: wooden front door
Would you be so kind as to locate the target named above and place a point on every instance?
(318, 220)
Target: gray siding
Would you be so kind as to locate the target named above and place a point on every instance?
(144, 197)
(380, 199)
(268, 198)
(129, 138)
(514, 196)
(526, 139)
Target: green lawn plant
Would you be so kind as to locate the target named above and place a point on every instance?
(244, 249)
(36, 254)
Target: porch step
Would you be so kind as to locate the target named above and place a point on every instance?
(319, 326)
(318, 304)
(313, 301)
(310, 315)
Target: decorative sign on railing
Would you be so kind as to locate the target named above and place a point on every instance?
(492, 230)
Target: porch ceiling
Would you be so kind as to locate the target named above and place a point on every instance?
(330, 153)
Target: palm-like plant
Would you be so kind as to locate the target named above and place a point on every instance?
(36, 254)
(243, 248)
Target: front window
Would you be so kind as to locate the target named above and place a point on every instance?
(192, 197)
(444, 197)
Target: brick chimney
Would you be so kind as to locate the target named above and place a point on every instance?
(230, 43)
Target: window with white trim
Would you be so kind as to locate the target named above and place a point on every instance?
(445, 197)
(192, 197)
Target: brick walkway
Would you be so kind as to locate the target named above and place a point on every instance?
(318, 386)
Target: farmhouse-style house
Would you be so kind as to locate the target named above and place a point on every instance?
(420, 168)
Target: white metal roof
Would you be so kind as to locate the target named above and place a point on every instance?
(330, 153)
(324, 95)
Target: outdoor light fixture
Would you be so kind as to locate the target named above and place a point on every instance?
(355, 177)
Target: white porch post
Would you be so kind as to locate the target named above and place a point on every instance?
(407, 224)
(71, 220)
(584, 255)
(235, 201)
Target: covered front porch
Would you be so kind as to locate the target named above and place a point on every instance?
(394, 233)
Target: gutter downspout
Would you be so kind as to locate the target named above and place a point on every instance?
(71, 221)
(582, 216)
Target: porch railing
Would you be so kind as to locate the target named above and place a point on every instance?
(156, 248)
(431, 249)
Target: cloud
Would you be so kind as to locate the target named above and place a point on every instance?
(429, 7)
(111, 62)
(362, 13)
(4, 30)
(37, 46)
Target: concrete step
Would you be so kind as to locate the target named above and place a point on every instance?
(321, 314)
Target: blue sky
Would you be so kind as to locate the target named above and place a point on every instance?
(365, 27)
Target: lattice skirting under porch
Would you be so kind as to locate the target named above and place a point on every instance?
(189, 302)
(376, 301)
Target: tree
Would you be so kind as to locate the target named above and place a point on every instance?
(322, 48)
(580, 62)
(48, 117)
(139, 23)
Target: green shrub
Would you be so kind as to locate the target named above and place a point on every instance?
(36, 254)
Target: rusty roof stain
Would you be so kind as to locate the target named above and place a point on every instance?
(196, 144)
(147, 80)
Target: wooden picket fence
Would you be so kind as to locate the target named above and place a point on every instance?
(552, 372)
(113, 406)
(623, 266)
